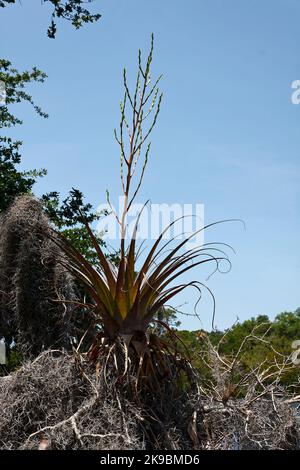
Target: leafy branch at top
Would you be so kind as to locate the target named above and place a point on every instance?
(70, 10)
(15, 83)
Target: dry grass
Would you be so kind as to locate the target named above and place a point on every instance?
(60, 401)
(53, 400)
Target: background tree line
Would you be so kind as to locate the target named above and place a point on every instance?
(274, 338)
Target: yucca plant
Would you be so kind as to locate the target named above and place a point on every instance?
(126, 298)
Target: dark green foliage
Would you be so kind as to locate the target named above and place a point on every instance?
(74, 11)
(15, 83)
(169, 316)
(13, 358)
(67, 216)
(12, 181)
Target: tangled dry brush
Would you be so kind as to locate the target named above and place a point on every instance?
(58, 401)
(52, 401)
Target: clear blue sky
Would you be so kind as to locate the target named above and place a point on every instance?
(228, 134)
